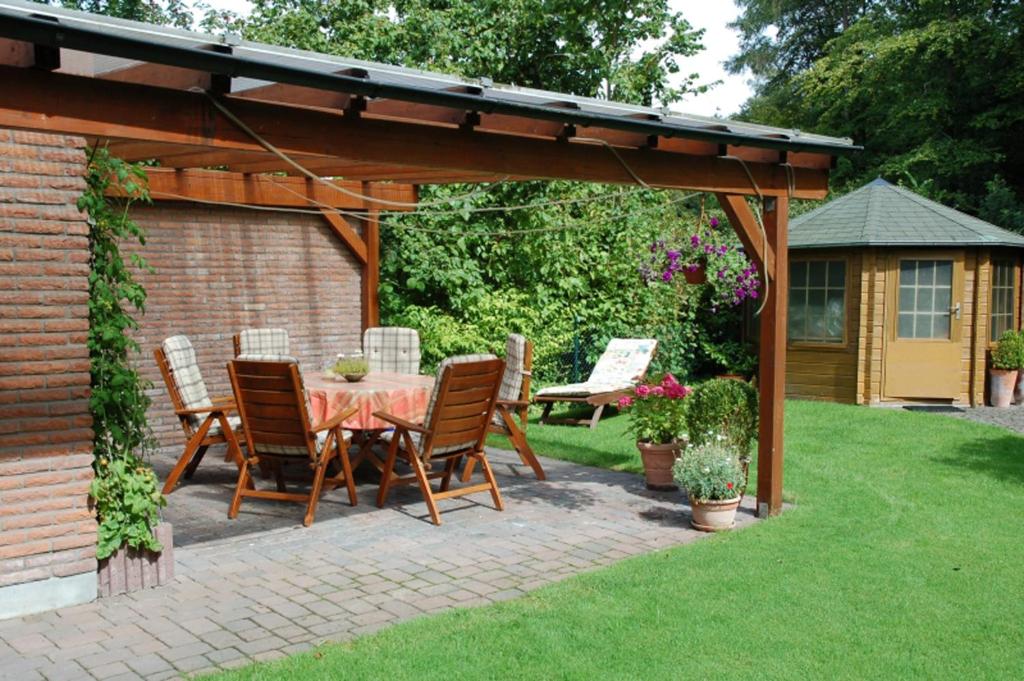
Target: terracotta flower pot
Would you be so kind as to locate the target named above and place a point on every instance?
(1001, 383)
(697, 276)
(658, 460)
(714, 516)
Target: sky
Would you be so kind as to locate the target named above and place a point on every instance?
(720, 42)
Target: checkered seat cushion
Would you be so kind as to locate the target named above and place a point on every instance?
(287, 450)
(417, 438)
(263, 342)
(181, 357)
(393, 349)
(623, 363)
(515, 372)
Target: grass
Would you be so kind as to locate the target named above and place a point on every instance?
(902, 558)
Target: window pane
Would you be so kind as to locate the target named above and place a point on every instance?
(906, 325)
(906, 299)
(798, 274)
(924, 300)
(940, 328)
(817, 273)
(944, 273)
(925, 272)
(837, 275)
(908, 272)
(816, 313)
(834, 316)
(942, 300)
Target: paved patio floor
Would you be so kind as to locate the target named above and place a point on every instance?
(262, 587)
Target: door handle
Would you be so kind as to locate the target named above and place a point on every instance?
(956, 311)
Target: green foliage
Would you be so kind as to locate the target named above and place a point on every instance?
(124, 489)
(350, 366)
(169, 12)
(657, 411)
(709, 472)
(1009, 351)
(726, 408)
(933, 90)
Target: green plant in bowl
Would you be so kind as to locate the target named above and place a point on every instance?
(352, 368)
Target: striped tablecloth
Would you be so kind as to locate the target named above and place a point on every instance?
(402, 395)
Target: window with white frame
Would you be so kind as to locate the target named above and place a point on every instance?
(817, 301)
(1002, 297)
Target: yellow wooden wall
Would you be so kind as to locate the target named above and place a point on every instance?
(853, 373)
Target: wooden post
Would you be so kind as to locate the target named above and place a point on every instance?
(772, 373)
(371, 270)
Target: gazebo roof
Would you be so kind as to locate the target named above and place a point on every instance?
(882, 214)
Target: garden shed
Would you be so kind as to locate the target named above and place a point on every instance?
(896, 298)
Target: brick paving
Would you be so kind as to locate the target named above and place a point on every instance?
(262, 587)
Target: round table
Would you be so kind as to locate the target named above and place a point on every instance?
(402, 395)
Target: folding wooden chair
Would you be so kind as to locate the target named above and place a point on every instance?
(275, 418)
(176, 359)
(460, 409)
(510, 413)
(621, 366)
(264, 344)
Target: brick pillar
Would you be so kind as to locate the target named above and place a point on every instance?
(47, 531)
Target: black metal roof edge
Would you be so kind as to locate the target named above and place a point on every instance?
(903, 244)
(51, 33)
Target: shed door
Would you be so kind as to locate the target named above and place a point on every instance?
(923, 353)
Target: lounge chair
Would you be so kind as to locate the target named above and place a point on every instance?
(205, 420)
(392, 349)
(268, 344)
(460, 409)
(275, 417)
(623, 364)
(510, 414)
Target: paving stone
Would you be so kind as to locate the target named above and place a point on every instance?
(262, 586)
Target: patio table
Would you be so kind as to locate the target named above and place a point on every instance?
(402, 395)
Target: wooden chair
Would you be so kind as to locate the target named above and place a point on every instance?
(460, 409)
(621, 366)
(265, 344)
(392, 349)
(275, 418)
(510, 413)
(205, 420)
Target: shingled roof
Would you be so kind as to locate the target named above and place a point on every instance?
(882, 214)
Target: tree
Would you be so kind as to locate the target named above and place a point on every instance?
(168, 12)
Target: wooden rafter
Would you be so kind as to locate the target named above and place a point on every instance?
(166, 184)
(344, 231)
(76, 105)
(743, 221)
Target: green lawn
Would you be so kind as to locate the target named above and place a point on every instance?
(902, 558)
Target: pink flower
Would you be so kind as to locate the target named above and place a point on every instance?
(658, 391)
(642, 391)
(625, 402)
(668, 380)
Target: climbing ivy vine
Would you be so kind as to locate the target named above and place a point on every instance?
(124, 491)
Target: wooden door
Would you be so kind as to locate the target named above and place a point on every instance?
(923, 349)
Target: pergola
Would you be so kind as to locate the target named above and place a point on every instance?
(177, 97)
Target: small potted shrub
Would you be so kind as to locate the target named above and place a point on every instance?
(1002, 374)
(712, 476)
(724, 409)
(352, 368)
(657, 414)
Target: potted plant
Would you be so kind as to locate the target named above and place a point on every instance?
(1003, 369)
(724, 410)
(712, 476)
(657, 414)
(352, 367)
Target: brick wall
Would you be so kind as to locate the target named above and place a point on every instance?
(219, 270)
(46, 527)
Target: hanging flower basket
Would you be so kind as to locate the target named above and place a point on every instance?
(698, 275)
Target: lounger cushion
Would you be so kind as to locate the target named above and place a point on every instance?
(392, 349)
(621, 365)
(515, 372)
(263, 342)
(286, 450)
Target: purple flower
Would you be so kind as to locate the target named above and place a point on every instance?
(721, 274)
(673, 255)
(695, 241)
(713, 222)
(709, 249)
(666, 277)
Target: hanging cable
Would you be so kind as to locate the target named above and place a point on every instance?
(760, 223)
(324, 181)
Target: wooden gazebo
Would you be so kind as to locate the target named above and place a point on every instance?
(194, 101)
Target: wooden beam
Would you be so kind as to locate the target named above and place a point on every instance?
(159, 75)
(371, 270)
(348, 236)
(166, 184)
(772, 362)
(56, 102)
(743, 221)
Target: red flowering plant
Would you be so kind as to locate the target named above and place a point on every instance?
(710, 471)
(731, 276)
(657, 411)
